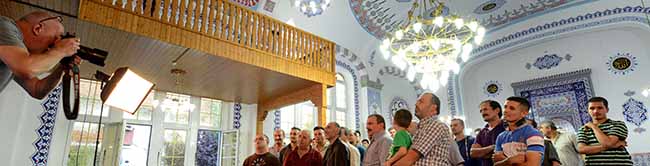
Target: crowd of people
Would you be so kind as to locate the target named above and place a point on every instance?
(508, 138)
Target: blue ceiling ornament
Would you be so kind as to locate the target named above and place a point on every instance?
(492, 88)
(622, 63)
(489, 6)
(548, 61)
(312, 7)
(635, 112)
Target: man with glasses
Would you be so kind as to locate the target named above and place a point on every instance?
(31, 46)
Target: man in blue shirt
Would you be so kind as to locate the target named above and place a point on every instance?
(521, 144)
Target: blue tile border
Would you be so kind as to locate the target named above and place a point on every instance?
(357, 114)
(46, 128)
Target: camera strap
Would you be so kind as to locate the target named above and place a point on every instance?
(71, 114)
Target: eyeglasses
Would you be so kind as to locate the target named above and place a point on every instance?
(58, 18)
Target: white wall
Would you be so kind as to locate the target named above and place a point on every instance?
(590, 49)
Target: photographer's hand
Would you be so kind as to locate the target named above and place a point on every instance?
(66, 47)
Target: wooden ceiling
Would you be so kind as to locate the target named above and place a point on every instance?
(207, 75)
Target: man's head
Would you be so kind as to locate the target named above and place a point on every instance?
(356, 137)
(375, 124)
(598, 108)
(402, 118)
(490, 110)
(319, 135)
(293, 135)
(457, 126)
(392, 132)
(278, 137)
(261, 143)
(547, 128)
(40, 30)
(352, 138)
(365, 142)
(427, 105)
(304, 139)
(343, 136)
(332, 130)
(516, 108)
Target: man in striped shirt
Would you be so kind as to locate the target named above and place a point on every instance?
(603, 139)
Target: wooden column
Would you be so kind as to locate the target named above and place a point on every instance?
(321, 104)
(316, 93)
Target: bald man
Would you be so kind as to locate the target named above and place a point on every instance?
(30, 46)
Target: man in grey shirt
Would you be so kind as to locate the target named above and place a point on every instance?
(31, 46)
(380, 142)
(565, 144)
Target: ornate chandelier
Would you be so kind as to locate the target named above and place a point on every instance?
(312, 7)
(432, 43)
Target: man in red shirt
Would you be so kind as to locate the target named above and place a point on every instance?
(304, 154)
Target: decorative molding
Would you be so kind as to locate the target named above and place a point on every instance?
(277, 120)
(396, 72)
(451, 99)
(641, 159)
(489, 6)
(522, 12)
(581, 18)
(396, 104)
(558, 77)
(236, 120)
(635, 112)
(46, 129)
(492, 88)
(355, 81)
(622, 63)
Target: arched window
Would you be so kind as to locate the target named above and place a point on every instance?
(337, 102)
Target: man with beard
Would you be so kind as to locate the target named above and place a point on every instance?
(380, 141)
(483, 147)
(293, 137)
(262, 157)
(278, 138)
(432, 139)
(521, 144)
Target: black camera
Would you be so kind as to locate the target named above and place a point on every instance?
(92, 55)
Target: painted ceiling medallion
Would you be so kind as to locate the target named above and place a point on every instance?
(489, 6)
(622, 63)
(635, 112)
(397, 104)
(548, 61)
(492, 88)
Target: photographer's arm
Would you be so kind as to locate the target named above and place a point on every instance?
(24, 64)
(40, 88)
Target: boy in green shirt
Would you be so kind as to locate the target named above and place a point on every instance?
(402, 140)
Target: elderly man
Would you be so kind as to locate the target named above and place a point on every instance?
(30, 46)
(262, 155)
(432, 139)
(379, 149)
(337, 153)
(293, 137)
(304, 153)
(603, 140)
(565, 143)
(278, 138)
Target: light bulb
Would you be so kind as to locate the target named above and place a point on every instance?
(297, 3)
(417, 27)
(399, 34)
(458, 23)
(399, 62)
(410, 74)
(385, 52)
(480, 31)
(472, 25)
(467, 49)
(455, 67)
(415, 47)
(327, 2)
(434, 44)
(434, 85)
(386, 42)
(646, 92)
(323, 7)
(478, 40)
(303, 8)
(312, 4)
(424, 82)
(438, 21)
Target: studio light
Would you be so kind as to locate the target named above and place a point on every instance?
(126, 90)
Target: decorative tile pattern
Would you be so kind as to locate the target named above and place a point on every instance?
(547, 61)
(374, 101)
(207, 147)
(635, 112)
(277, 121)
(357, 114)
(46, 129)
(641, 159)
(396, 104)
(489, 6)
(563, 95)
(622, 63)
(237, 116)
(394, 71)
(269, 6)
(450, 96)
(492, 88)
(518, 13)
(531, 34)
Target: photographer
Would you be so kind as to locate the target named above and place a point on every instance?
(31, 46)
